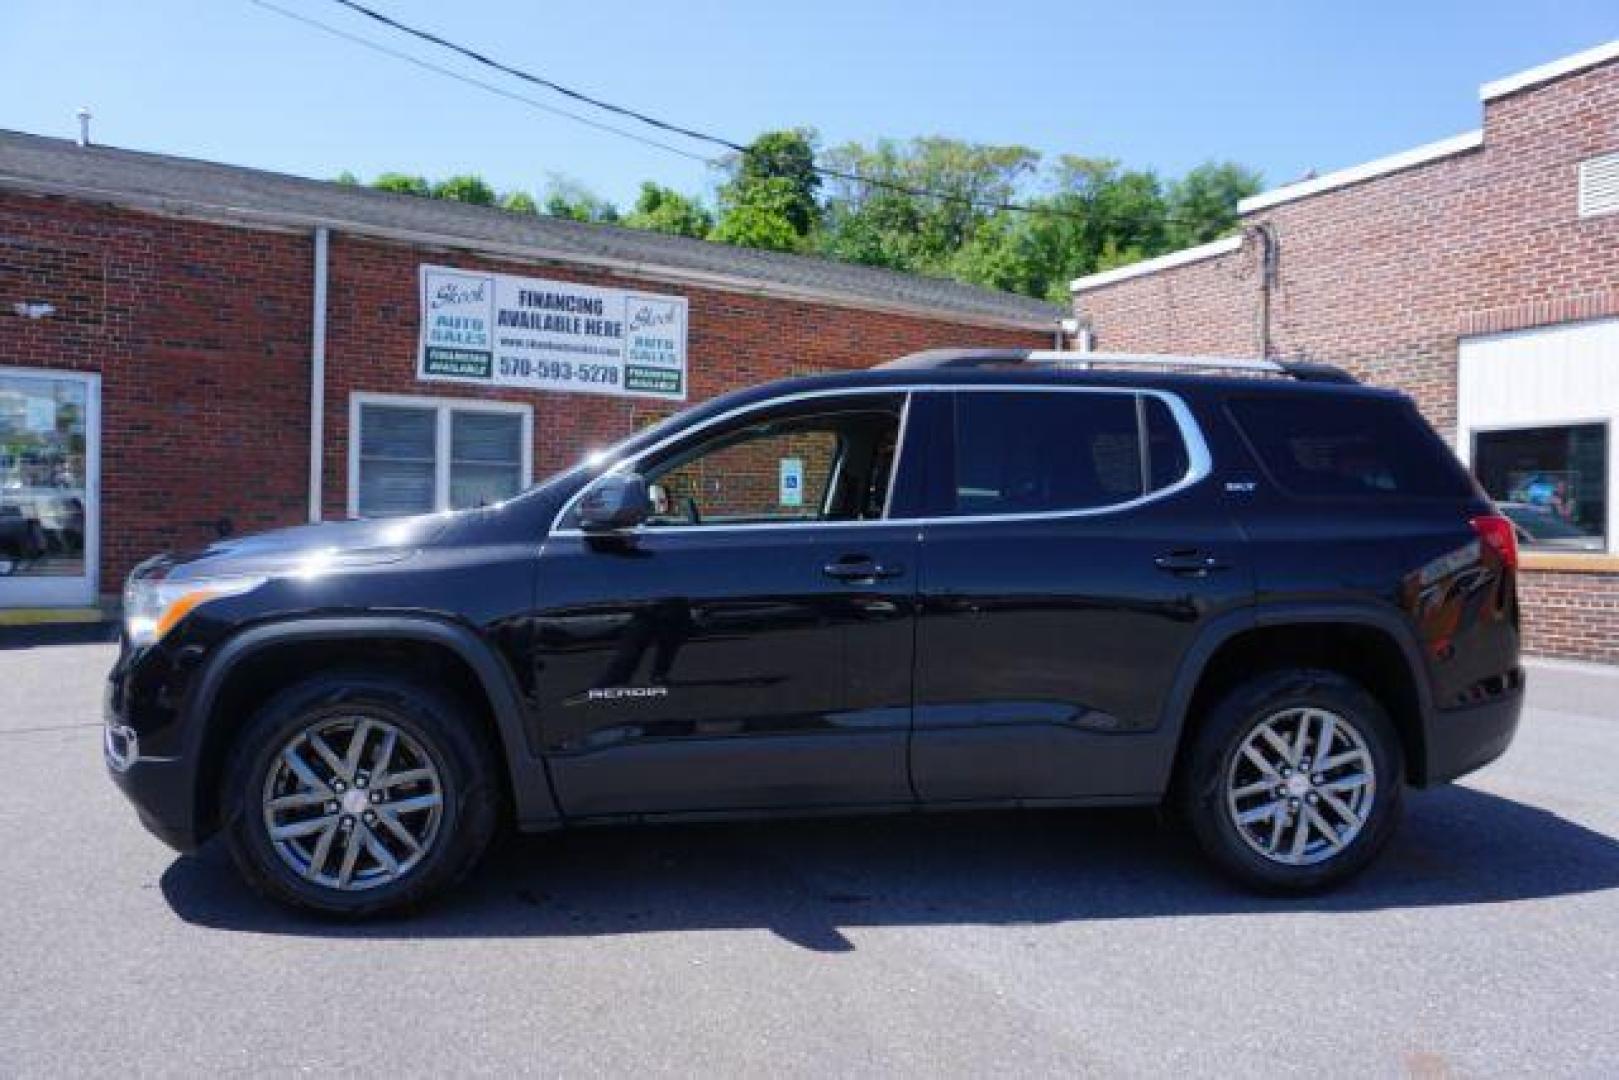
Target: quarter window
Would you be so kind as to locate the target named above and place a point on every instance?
(1342, 445)
(416, 456)
(1552, 482)
(1018, 453)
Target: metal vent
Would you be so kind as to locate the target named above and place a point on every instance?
(1599, 185)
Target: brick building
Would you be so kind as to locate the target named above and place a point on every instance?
(1480, 274)
(186, 345)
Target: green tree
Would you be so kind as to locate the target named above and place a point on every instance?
(347, 179)
(565, 198)
(783, 156)
(403, 184)
(877, 218)
(664, 210)
(465, 188)
(1203, 203)
(519, 202)
(760, 215)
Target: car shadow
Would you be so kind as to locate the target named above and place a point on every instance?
(34, 637)
(807, 880)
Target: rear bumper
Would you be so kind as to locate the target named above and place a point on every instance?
(1457, 741)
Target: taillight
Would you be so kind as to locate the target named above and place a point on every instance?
(1498, 535)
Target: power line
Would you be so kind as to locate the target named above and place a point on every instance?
(691, 133)
(1092, 213)
(501, 91)
(537, 80)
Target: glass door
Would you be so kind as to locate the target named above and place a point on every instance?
(49, 502)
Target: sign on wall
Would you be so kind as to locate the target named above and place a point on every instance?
(502, 330)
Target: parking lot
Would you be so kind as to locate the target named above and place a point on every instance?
(1485, 942)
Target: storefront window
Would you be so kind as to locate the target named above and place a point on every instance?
(1551, 481)
(417, 456)
(43, 499)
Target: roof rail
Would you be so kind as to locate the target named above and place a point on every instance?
(938, 359)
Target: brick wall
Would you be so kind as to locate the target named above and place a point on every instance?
(734, 340)
(1385, 277)
(201, 334)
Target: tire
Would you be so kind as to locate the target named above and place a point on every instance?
(436, 750)
(1220, 775)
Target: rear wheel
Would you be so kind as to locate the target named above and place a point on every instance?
(1294, 783)
(356, 793)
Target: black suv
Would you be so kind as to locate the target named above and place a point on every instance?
(1263, 594)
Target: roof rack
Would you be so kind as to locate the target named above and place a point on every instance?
(938, 359)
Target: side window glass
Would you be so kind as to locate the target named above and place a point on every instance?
(832, 465)
(1348, 446)
(1167, 459)
(1018, 453)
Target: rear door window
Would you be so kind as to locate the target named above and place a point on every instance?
(1021, 452)
(1348, 446)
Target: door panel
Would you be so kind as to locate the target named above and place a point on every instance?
(1046, 645)
(1045, 650)
(719, 669)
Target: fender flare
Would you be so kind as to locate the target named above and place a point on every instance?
(534, 802)
(1222, 629)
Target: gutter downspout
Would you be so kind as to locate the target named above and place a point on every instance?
(317, 379)
(1267, 282)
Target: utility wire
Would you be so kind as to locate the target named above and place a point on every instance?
(501, 91)
(537, 80)
(883, 183)
(678, 129)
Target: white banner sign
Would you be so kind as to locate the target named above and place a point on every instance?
(501, 330)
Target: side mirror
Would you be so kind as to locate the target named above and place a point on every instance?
(615, 502)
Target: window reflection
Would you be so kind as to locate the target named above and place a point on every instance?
(42, 476)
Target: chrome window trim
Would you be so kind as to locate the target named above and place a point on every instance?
(1200, 462)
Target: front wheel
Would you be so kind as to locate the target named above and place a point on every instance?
(356, 793)
(1294, 781)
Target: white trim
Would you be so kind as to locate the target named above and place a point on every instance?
(1421, 155)
(1223, 246)
(1561, 396)
(443, 407)
(81, 589)
(1199, 462)
(285, 221)
(317, 379)
(1555, 69)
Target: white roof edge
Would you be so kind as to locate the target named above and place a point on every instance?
(1421, 155)
(1222, 246)
(1568, 65)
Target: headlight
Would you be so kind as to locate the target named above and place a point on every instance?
(153, 607)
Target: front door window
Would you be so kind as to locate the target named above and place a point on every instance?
(832, 465)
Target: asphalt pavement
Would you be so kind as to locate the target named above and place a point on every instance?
(1486, 942)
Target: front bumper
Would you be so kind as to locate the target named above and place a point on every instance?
(161, 789)
(1467, 738)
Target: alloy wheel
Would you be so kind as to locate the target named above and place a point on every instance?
(1301, 786)
(352, 803)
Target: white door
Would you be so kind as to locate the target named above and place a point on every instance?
(50, 436)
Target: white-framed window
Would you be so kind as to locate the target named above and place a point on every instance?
(1536, 414)
(414, 455)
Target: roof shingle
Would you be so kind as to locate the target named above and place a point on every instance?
(36, 163)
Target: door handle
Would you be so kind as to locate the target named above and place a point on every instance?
(1190, 563)
(861, 568)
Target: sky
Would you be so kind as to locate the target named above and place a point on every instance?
(1282, 87)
